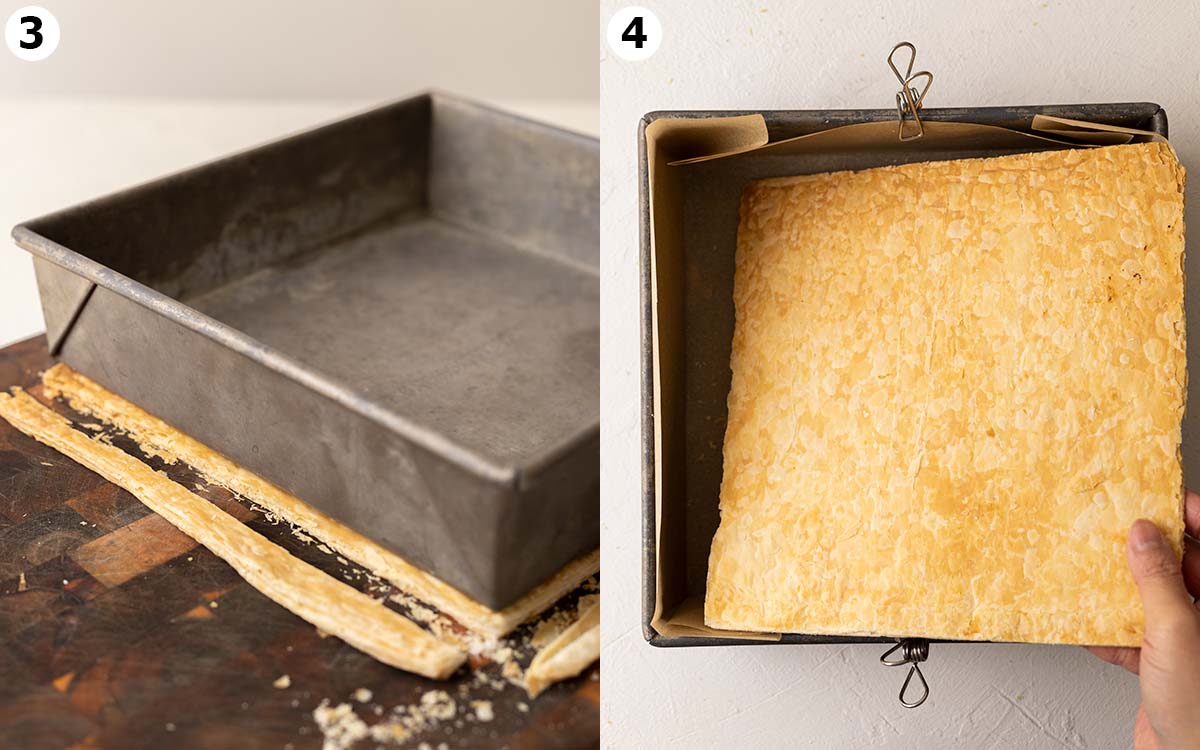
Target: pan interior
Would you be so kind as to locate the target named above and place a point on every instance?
(490, 345)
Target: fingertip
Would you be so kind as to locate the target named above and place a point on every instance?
(1144, 536)
(1126, 658)
(1151, 558)
(1158, 575)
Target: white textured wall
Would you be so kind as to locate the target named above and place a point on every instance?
(279, 49)
(718, 54)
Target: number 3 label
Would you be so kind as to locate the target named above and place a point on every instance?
(31, 33)
(634, 33)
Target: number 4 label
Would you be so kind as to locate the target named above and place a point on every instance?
(634, 33)
(31, 33)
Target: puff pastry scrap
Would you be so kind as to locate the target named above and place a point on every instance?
(955, 386)
(567, 655)
(159, 438)
(304, 590)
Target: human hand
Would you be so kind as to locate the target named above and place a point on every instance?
(1168, 663)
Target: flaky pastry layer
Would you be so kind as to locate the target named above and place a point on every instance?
(955, 386)
(157, 437)
(304, 590)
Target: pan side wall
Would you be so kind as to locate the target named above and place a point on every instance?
(432, 513)
(535, 186)
(188, 233)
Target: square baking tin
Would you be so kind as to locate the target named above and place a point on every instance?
(394, 317)
(687, 373)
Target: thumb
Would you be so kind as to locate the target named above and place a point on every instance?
(1158, 575)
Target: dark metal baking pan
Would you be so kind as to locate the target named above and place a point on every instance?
(710, 198)
(394, 317)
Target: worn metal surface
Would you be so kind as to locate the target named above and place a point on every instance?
(394, 317)
(711, 192)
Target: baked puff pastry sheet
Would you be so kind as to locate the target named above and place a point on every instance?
(955, 386)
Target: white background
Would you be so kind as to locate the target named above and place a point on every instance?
(276, 49)
(770, 54)
(139, 88)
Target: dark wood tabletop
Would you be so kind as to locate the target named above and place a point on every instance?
(118, 631)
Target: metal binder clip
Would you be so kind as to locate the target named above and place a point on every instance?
(912, 651)
(909, 98)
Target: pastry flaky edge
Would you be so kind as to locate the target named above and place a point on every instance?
(158, 438)
(856, 497)
(309, 593)
(568, 654)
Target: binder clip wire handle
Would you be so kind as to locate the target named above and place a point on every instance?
(913, 651)
(910, 97)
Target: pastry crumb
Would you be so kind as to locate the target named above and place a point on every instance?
(340, 725)
(483, 710)
(437, 704)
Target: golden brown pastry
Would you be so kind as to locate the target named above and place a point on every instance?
(570, 653)
(157, 437)
(955, 386)
(304, 590)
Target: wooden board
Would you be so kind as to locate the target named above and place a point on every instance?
(117, 631)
